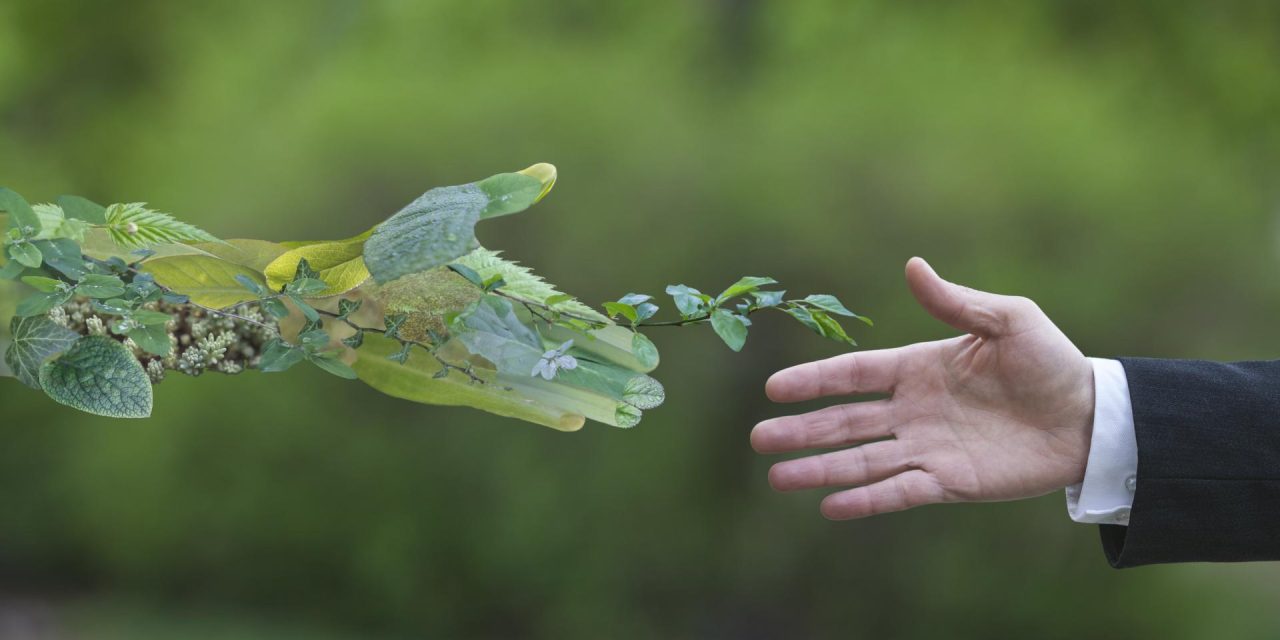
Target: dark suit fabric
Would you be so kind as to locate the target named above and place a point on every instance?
(1208, 482)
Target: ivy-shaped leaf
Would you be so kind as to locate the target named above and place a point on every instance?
(440, 225)
(100, 376)
(35, 340)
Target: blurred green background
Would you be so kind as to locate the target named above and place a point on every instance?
(1115, 161)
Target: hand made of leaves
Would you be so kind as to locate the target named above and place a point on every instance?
(414, 307)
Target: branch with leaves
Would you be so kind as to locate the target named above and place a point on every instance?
(123, 295)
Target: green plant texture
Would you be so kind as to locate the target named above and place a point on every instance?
(413, 307)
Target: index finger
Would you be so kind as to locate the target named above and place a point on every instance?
(864, 372)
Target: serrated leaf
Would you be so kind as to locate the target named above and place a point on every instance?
(524, 285)
(440, 225)
(340, 264)
(743, 286)
(35, 340)
(134, 226)
(100, 376)
(730, 327)
(208, 281)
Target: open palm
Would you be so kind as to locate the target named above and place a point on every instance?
(1001, 413)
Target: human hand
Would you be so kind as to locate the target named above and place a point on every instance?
(1003, 413)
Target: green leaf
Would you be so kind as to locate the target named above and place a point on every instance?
(96, 285)
(82, 209)
(275, 308)
(151, 318)
(21, 216)
(113, 307)
(26, 254)
(644, 351)
(804, 316)
(421, 380)
(252, 254)
(40, 303)
(440, 225)
(35, 340)
(688, 300)
(620, 309)
(330, 362)
(209, 281)
(64, 256)
(830, 328)
(347, 307)
(522, 284)
(354, 340)
(40, 283)
(134, 226)
(467, 272)
(153, 339)
(314, 340)
(766, 299)
(339, 264)
(309, 312)
(279, 356)
(645, 310)
(306, 287)
(100, 376)
(743, 286)
(730, 327)
(401, 356)
(829, 304)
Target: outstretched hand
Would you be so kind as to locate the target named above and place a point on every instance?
(1002, 413)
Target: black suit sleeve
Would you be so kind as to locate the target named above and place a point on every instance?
(1208, 485)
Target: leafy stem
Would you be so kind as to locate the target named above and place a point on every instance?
(466, 370)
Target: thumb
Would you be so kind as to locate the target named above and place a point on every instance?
(983, 314)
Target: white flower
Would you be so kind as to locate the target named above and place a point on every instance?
(553, 361)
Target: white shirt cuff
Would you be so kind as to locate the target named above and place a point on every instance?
(1111, 474)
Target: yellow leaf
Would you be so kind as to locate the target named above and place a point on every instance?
(340, 264)
(208, 280)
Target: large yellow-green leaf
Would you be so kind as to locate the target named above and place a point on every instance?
(208, 280)
(340, 263)
(255, 254)
(416, 380)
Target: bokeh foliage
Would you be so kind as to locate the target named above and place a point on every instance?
(1117, 163)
